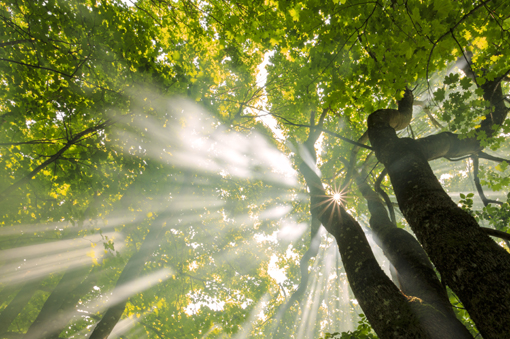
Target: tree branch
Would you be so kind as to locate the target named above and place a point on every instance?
(495, 233)
(37, 67)
(484, 155)
(479, 188)
(385, 196)
(445, 34)
(31, 142)
(53, 158)
(287, 122)
(15, 42)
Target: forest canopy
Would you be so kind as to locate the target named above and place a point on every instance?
(254, 169)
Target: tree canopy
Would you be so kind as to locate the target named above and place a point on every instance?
(254, 169)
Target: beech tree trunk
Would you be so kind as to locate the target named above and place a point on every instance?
(416, 275)
(473, 265)
(67, 309)
(389, 312)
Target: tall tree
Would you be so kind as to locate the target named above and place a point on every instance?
(297, 106)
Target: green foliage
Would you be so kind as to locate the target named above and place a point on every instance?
(466, 201)
(94, 146)
(496, 216)
(364, 331)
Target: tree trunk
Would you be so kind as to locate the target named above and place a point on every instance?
(7, 291)
(40, 327)
(67, 309)
(389, 312)
(132, 270)
(473, 265)
(416, 275)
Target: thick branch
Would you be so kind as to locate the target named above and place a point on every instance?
(492, 158)
(495, 233)
(398, 118)
(449, 145)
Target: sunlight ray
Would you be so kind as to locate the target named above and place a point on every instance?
(126, 325)
(306, 304)
(112, 221)
(32, 262)
(199, 147)
(251, 321)
(109, 299)
(33, 270)
(36, 251)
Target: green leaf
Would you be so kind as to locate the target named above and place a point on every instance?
(451, 78)
(465, 83)
(479, 91)
(439, 95)
(502, 166)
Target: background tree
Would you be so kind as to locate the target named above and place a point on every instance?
(128, 212)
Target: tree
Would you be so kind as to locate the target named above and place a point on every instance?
(127, 211)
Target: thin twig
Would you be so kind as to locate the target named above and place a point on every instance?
(445, 34)
(287, 122)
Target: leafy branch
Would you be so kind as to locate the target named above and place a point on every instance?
(78, 137)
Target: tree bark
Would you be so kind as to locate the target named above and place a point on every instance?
(389, 312)
(416, 275)
(474, 266)
(7, 291)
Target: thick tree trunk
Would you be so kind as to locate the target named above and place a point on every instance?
(389, 312)
(416, 276)
(132, 270)
(473, 265)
